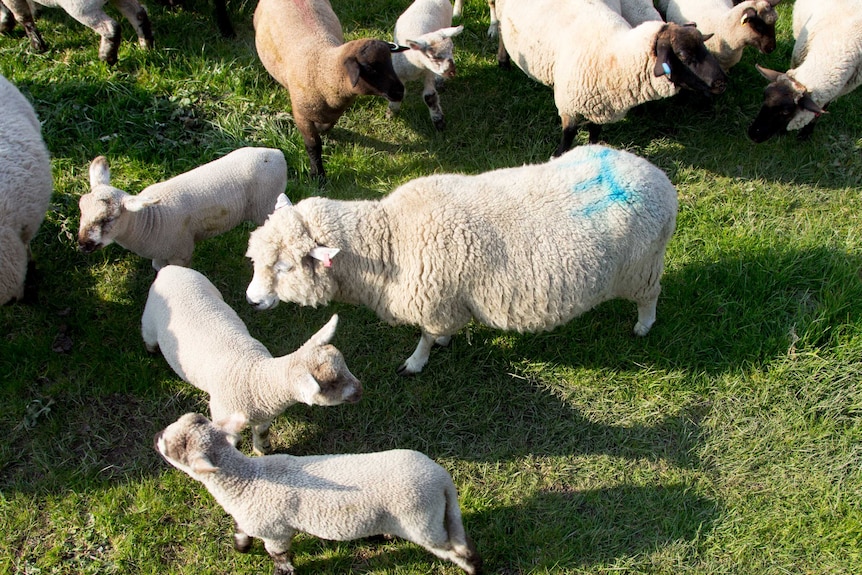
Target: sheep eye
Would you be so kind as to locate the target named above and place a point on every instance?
(282, 267)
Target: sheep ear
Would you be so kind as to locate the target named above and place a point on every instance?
(324, 254)
(308, 388)
(662, 58)
(100, 174)
(773, 3)
(351, 65)
(137, 203)
(395, 48)
(806, 103)
(419, 45)
(325, 334)
(233, 423)
(281, 201)
(770, 75)
(450, 32)
(202, 464)
(706, 37)
(747, 15)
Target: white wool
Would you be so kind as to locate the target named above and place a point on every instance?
(25, 187)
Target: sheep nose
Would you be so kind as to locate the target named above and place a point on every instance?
(87, 246)
(450, 70)
(718, 86)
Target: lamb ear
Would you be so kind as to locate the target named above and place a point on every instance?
(453, 31)
(747, 15)
(100, 174)
(308, 388)
(325, 334)
(202, 464)
(137, 203)
(233, 423)
(323, 254)
(770, 75)
(419, 45)
(281, 201)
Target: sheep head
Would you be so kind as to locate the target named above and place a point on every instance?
(368, 64)
(102, 209)
(288, 265)
(759, 18)
(436, 50)
(682, 56)
(787, 104)
(193, 444)
(328, 381)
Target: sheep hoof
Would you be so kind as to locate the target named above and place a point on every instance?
(641, 329)
(439, 124)
(404, 370)
(241, 542)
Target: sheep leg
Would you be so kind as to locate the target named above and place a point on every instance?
(21, 12)
(222, 19)
(414, 364)
(260, 438)
(7, 20)
(432, 100)
(494, 28)
(570, 130)
(138, 18)
(241, 541)
(394, 108)
(595, 131)
(104, 26)
(646, 316)
(279, 550)
(504, 61)
(313, 146)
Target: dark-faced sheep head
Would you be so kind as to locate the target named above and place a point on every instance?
(682, 56)
(370, 72)
(760, 19)
(783, 100)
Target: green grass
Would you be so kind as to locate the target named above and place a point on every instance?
(727, 441)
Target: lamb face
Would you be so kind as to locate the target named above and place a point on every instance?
(335, 383)
(189, 443)
(284, 267)
(100, 210)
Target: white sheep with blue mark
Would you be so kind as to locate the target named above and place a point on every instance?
(523, 249)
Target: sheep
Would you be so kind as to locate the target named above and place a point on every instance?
(164, 221)
(207, 344)
(25, 188)
(749, 23)
(90, 13)
(636, 12)
(301, 45)
(523, 249)
(826, 64)
(337, 497)
(598, 65)
(426, 27)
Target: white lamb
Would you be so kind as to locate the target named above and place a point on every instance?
(733, 27)
(25, 187)
(598, 65)
(165, 220)
(826, 64)
(208, 345)
(426, 27)
(523, 249)
(336, 497)
(90, 13)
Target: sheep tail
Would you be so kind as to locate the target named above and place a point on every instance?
(463, 551)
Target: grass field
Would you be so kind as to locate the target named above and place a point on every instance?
(729, 440)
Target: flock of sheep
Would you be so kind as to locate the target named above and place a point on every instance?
(525, 249)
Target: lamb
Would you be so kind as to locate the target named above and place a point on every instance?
(598, 65)
(90, 13)
(208, 345)
(636, 12)
(748, 23)
(826, 64)
(301, 45)
(426, 27)
(338, 497)
(523, 249)
(25, 188)
(165, 220)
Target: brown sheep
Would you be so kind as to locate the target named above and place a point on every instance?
(301, 45)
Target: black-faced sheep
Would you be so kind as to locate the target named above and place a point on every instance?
(523, 249)
(208, 345)
(599, 66)
(165, 220)
(301, 45)
(826, 64)
(25, 187)
(90, 13)
(336, 497)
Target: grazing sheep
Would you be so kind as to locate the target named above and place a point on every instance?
(90, 13)
(426, 27)
(523, 249)
(826, 64)
(208, 345)
(301, 45)
(749, 23)
(165, 220)
(336, 497)
(599, 66)
(25, 187)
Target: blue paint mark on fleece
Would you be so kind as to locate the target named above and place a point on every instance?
(605, 179)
